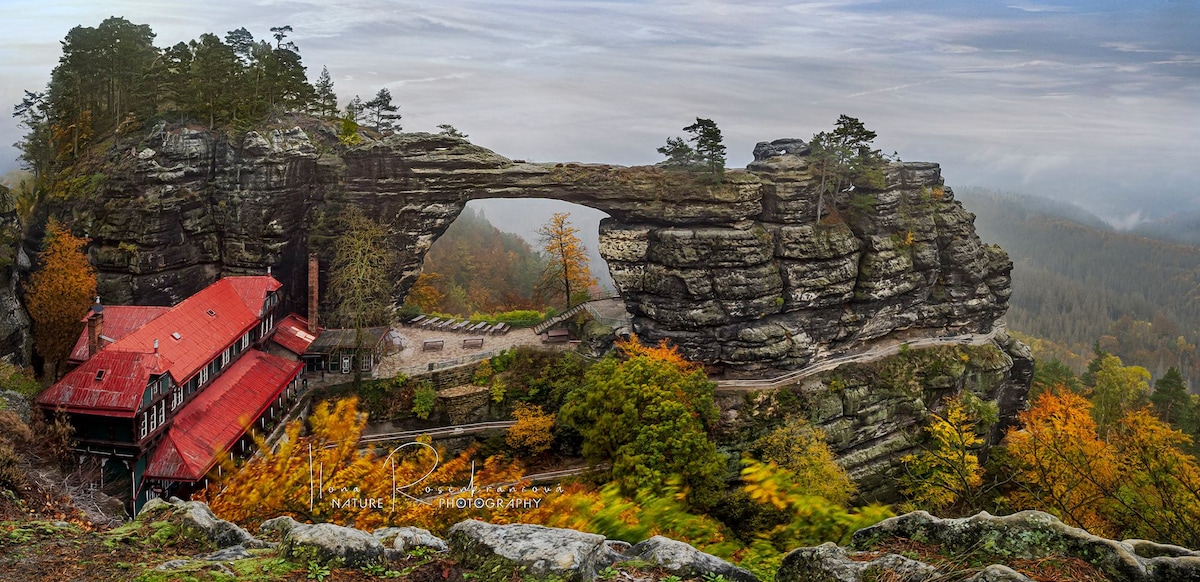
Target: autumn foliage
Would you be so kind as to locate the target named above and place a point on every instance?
(533, 431)
(326, 477)
(59, 293)
(1138, 482)
(946, 472)
(567, 272)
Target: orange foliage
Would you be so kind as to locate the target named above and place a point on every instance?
(567, 272)
(1140, 483)
(327, 477)
(59, 293)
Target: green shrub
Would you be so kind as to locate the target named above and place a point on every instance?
(424, 399)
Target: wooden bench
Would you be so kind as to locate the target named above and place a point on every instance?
(428, 323)
(557, 336)
(503, 329)
(472, 342)
(460, 326)
(416, 320)
(477, 326)
(431, 345)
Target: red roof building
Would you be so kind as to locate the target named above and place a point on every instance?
(119, 321)
(292, 334)
(156, 383)
(211, 424)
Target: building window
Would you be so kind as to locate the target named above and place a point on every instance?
(162, 412)
(224, 359)
(145, 423)
(176, 397)
(366, 363)
(203, 375)
(153, 420)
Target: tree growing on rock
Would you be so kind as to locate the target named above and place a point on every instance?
(706, 153)
(567, 271)
(647, 413)
(325, 103)
(843, 158)
(59, 294)
(800, 448)
(381, 112)
(946, 474)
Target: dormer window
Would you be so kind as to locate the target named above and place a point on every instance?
(99, 375)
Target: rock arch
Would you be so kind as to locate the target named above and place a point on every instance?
(736, 273)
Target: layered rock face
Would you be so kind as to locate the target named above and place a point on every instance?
(737, 273)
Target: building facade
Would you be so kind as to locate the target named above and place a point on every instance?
(170, 392)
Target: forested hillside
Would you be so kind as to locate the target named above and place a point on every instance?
(1075, 285)
(476, 267)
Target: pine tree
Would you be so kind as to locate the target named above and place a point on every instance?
(325, 103)
(381, 113)
(710, 151)
(843, 159)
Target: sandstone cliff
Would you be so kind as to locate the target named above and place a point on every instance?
(736, 273)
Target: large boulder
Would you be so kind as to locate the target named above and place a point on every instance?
(541, 552)
(405, 539)
(329, 543)
(196, 519)
(680, 558)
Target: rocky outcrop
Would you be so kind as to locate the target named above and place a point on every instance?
(873, 414)
(329, 543)
(16, 342)
(197, 520)
(554, 553)
(405, 539)
(738, 273)
(539, 551)
(1006, 543)
(683, 560)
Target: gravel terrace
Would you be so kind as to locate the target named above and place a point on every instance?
(412, 359)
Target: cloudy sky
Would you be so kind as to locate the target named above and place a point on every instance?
(1094, 101)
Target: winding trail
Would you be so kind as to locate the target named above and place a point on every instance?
(872, 354)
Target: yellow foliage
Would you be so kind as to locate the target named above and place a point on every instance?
(532, 432)
(327, 477)
(567, 271)
(947, 472)
(800, 448)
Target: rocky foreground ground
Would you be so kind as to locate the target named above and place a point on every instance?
(184, 541)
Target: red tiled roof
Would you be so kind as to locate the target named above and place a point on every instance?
(202, 336)
(111, 395)
(119, 321)
(214, 421)
(292, 334)
(235, 304)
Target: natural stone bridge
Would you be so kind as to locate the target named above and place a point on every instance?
(736, 273)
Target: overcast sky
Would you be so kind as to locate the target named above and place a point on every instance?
(1094, 101)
